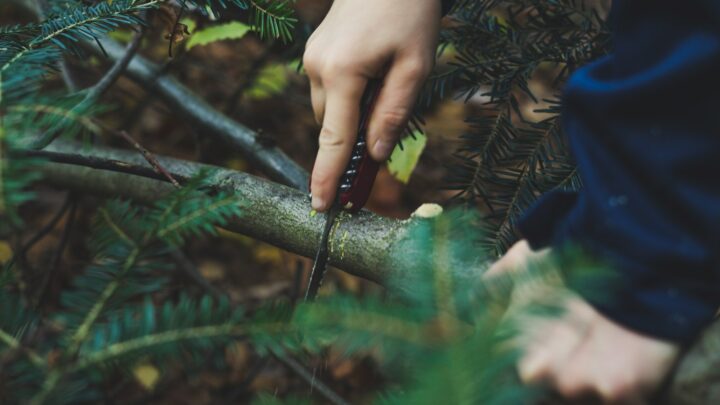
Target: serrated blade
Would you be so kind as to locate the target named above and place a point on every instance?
(321, 257)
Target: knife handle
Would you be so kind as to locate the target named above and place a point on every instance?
(357, 181)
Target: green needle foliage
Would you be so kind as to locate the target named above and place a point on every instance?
(447, 337)
(438, 342)
(271, 18)
(29, 55)
(100, 328)
(506, 162)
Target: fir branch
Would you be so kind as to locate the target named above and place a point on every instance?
(273, 18)
(107, 218)
(571, 180)
(87, 23)
(14, 344)
(66, 115)
(83, 331)
(218, 208)
(146, 342)
(310, 379)
(41, 233)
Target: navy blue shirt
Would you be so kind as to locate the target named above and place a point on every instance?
(644, 126)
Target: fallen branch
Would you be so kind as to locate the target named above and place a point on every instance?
(184, 103)
(361, 244)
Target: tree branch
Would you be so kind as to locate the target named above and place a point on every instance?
(271, 160)
(95, 92)
(274, 213)
(361, 244)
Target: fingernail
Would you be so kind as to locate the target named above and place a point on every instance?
(382, 149)
(317, 203)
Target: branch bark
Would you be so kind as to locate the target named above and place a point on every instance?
(271, 160)
(361, 244)
(276, 214)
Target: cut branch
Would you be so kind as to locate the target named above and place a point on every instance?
(281, 216)
(274, 213)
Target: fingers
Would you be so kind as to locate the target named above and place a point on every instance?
(395, 104)
(337, 137)
(513, 260)
(552, 343)
(585, 355)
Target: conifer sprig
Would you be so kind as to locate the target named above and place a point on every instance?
(505, 161)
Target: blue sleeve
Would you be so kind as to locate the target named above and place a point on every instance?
(644, 126)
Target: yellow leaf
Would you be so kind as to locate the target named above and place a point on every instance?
(237, 164)
(267, 254)
(272, 80)
(403, 161)
(5, 252)
(241, 239)
(147, 375)
(122, 36)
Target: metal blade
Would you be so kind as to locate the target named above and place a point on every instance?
(321, 257)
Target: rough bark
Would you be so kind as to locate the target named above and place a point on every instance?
(363, 244)
(276, 214)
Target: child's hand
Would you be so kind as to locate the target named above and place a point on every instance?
(359, 40)
(583, 353)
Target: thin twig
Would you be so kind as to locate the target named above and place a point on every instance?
(112, 75)
(44, 231)
(67, 75)
(187, 266)
(309, 378)
(174, 32)
(191, 271)
(149, 157)
(65, 236)
(97, 163)
(49, 276)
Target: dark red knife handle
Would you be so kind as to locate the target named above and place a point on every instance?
(357, 180)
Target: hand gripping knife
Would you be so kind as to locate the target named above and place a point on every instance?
(353, 191)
